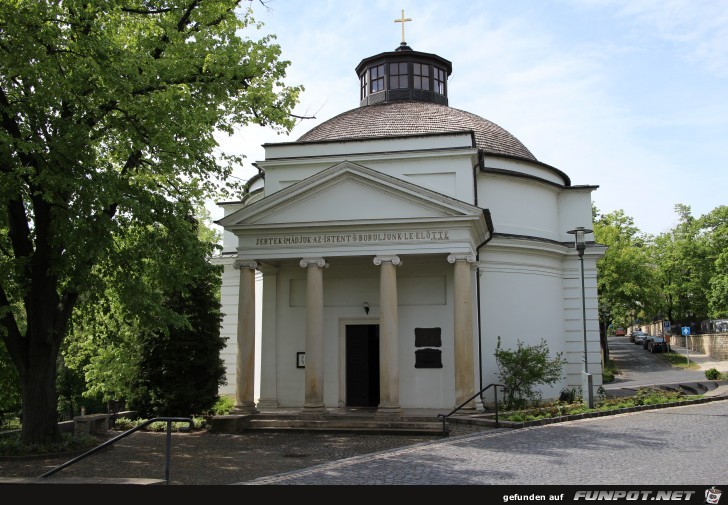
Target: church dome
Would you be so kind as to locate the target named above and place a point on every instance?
(411, 117)
(405, 92)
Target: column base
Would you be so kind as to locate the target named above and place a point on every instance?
(468, 409)
(267, 403)
(313, 410)
(245, 408)
(389, 411)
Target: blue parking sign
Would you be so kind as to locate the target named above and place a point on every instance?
(686, 330)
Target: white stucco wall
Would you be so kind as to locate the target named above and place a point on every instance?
(425, 298)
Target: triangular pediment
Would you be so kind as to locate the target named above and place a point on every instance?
(348, 193)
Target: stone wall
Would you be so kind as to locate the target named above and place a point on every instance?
(714, 345)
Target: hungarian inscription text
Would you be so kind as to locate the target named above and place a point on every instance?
(343, 238)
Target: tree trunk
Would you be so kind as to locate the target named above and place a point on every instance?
(40, 416)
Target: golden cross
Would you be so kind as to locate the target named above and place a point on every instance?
(403, 20)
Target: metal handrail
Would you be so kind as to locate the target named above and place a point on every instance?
(168, 420)
(443, 417)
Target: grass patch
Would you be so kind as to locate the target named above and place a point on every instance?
(643, 396)
(679, 360)
(610, 370)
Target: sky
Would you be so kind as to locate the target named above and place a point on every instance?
(627, 95)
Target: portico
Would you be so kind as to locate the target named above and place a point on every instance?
(442, 231)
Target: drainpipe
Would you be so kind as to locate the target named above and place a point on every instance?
(479, 166)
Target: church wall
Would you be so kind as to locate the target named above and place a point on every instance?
(520, 206)
(424, 293)
(518, 303)
(574, 346)
(448, 173)
(523, 167)
(345, 148)
(575, 207)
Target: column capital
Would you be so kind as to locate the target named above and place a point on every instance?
(240, 264)
(319, 262)
(394, 260)
(469, 257)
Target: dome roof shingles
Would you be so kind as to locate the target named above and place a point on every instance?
(402, 118)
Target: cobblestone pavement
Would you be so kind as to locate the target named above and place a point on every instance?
(203, 458)
(672, 446)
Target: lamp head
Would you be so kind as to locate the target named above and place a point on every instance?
(580, 238)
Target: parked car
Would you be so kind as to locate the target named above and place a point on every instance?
(635, 334)
(639, 338)
(657, 344)
(619, 332)
(646, 341)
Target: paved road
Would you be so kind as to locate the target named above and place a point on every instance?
(673, 446)
(640, 367)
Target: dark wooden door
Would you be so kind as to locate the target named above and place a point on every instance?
(362, 365)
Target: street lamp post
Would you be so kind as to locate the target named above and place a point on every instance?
(580, 245)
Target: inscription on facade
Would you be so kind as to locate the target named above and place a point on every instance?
(351, 238)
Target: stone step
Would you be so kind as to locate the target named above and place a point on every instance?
(239, 424)
(81, 480)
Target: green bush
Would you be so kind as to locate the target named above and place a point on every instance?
(125, 424)
(644, 396)
(525, 368)
(712, 374)
(12, 445)
(223, 405)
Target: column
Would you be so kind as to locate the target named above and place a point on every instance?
(269, 339)
(388, 336)
(463, 300)
(245, 363)
(314, 386)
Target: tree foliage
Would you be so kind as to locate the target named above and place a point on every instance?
(150, 332)
(625, 275)
(680, 275)
(524, 368)
(715, 226)
(108, 116)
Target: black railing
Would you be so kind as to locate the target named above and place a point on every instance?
(168, 420)
(443, 417)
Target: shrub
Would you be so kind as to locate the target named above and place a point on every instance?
(223, 405)
(125, 424)
(12, 445)
(525, 368)
(712, 374)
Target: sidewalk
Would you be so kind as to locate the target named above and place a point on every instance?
(705, 361)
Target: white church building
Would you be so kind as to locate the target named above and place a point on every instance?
(375, 261)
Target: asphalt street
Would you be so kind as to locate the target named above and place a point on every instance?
(671, 446)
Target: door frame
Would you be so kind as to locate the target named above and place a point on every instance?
(343, 323)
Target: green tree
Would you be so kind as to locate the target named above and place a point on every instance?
(152, 326)
(180, 368)
(524, 368)
(684, 266)
(625, 276)
(715, 225)
(108, 116)
(9, 386)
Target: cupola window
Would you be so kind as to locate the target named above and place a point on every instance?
(363, 86)
(421, 76)
(376, 78)
(398, 76)
(439, 76)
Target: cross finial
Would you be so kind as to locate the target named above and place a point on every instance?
(402, 20)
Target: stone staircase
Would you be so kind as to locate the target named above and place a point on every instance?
(329, 422)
